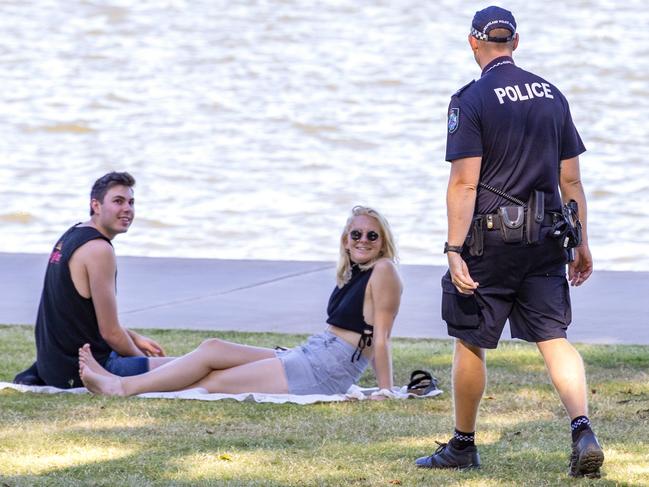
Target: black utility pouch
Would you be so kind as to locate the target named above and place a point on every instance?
(534, 216)
(511, 223)
(475, 239)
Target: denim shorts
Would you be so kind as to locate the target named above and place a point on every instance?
(125, 366)
(321, 365)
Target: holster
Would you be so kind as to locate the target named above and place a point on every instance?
(474, 241)
(573, 231)
(512, 219)
(534, 216)
(567, 229)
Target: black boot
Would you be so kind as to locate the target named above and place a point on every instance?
(448, 457)
(587, 456)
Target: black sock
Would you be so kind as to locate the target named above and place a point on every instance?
(579, 424)
(462, 440)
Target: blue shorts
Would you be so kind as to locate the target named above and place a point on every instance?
(321, 365)
(523, 283)
(125, 366)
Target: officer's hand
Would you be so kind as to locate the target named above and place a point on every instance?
(460, 274)
(581, 268)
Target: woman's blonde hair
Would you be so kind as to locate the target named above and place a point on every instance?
(388, 246)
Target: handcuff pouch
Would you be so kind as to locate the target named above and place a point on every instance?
(511, 223)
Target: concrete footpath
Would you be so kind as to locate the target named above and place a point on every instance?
(291, 297)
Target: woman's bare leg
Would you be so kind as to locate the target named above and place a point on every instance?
(155, 362)
(267, 376)
(211, 355)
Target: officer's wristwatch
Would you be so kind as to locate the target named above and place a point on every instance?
(452, 248)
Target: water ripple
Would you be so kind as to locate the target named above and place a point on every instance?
(253, 126)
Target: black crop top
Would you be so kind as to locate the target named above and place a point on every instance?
(345, 308)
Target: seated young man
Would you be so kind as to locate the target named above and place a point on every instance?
(78, 304)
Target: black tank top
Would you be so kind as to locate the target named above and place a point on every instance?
(345, 308)
(66, 320)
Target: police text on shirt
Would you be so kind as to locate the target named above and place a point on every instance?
(514, 93)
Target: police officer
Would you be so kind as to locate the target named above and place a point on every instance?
(510, 130)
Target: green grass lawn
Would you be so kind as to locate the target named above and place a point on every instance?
(68, 440)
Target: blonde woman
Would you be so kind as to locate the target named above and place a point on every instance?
(361, 313)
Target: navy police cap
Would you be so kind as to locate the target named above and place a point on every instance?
(490, 18)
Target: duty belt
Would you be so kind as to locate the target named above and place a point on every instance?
(493, 221)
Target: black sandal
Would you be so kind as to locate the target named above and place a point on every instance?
(422, 383)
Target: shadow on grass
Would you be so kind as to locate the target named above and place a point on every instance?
(252, 444)
(523, 433)
(531, 453)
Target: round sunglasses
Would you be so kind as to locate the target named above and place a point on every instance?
(356, 235)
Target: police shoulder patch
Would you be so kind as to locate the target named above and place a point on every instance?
(453, 119)
(459, 92)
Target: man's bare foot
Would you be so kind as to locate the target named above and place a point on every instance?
(95, 377)
(96, 383)
(87, 360)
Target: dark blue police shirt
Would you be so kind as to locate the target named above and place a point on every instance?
(521, 127)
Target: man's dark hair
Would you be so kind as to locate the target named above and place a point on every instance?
(107, 181)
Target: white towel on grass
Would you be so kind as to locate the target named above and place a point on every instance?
(354, 393)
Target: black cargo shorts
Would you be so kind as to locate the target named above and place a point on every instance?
(523, 283)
